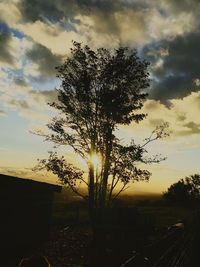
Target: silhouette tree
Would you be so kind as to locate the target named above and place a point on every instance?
(187, 189)
(100, 90)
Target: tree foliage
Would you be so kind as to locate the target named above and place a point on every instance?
(185, 190)
(100, 90)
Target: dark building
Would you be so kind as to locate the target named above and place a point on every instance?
(25, 212)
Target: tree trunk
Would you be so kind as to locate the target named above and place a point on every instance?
(91, 191)
(106, 168)
(105, 182)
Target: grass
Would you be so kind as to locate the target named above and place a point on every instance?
(168, 215)
(70, 211)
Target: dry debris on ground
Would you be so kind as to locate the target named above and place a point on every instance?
(65, 247)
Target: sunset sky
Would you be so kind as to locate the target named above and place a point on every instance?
(35, 36)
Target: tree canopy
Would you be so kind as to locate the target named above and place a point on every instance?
(185, 190)
(100, 90)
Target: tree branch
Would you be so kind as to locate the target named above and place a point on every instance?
(76, 192)
(122, 189)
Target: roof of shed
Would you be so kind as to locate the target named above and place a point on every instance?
(11, 181)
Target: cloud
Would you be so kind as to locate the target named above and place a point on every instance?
(5, 40)
(18, 94)
(11, 49)
(193, 128)
(39, 35)
(177, 75)
(10, 13)
(27, 101)
(42, 97)
(168, 27)
(31, 69)
(183, 117)
(182, 6)
(35, 115)
(55, 37)
(15, 104)
(3, 113)
(20, 81)
(54, 24)
(25, 109)
(33, 10)
(46, 61)
(14, 84)
(120, 27)
(3, 74)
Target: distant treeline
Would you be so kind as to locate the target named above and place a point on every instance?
(67, 196)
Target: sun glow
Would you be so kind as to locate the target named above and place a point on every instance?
(95, 160)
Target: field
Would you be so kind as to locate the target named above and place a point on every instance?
(71, 242)
(71, 210)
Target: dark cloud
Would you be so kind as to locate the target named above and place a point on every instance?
(36, 10)
(5, 38)
(152, 52)
(172, 87)
(45, 59)
(20, 81)
(102, 12)
(182, 5)
(33, 10)
(175, 78)
(184, 55)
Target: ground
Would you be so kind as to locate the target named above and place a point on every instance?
(65, 247)
(71, 235)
